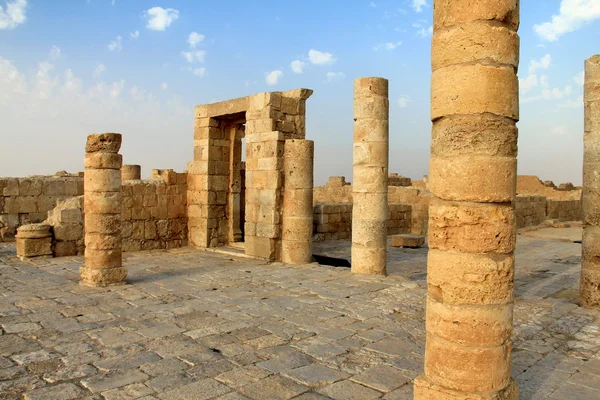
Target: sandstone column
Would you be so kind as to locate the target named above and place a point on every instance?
(297, 220)
(131, 172)
(590, 271)
(102, 207)
(474, 109)
(370, 174)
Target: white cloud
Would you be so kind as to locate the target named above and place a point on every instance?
(573, 14)
(160, 18)
(334, 76)
(99, 70)
(559, 130)
(194, 38)
(54, 53)
(297, 66)
(573, 103)
(199, 71)
(58, 100)
(387, 46)
(372, 4)
(273, 77)
(543, 63)
(134, 35)
(418, 5)
(579, 78)
(116, 45)
(403, 101)
(526, 84)
(13, 15)
(425, 32)
(548, 92)
(320, 58)
(194, 56)
(164, 86)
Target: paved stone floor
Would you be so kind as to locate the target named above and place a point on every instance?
(201, 325)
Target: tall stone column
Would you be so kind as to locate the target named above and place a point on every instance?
(590, 264)
(102, 207)
(470, 267)
(370, 174)
(297, 220)
(131, 172)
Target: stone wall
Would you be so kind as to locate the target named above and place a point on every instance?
(338, 191)
(563, 210)
(154, 212)
(532, 185)
(154, 216)
(530, 210)
(28, 200)
(334, 221)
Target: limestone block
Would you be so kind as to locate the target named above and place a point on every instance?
(102, 180)
(426, 390)
(474, 89)
(296, 252)
(103, 142)
(34, 247)
(408, 240)
(371, 154)
(474, 178)
(70, 215)
(30, 187)
(371, 108)
(369, 233)
(103, 277)
(102, 258)
(476, 41)
(370, 180)
(103, 161)
(469, 369)
(11, 187)
(372, 260)
(369, 87)
(455, 12)
(470, 325)
(103, 203)
(68, 231)
(589, 287)
(471, 228)
(101, 241)
(131, 172)
(65, 248)
(34, 231)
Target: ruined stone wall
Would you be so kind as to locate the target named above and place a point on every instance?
(334, 221)
(338, 191)
(154, 216)
(532, 185)
(563, 210)
(530, 210)
(28, 200)
(154, 212)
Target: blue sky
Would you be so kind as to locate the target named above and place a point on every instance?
(73, 67)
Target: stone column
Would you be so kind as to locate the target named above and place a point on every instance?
(370, 176)
(297, 221)
(590, 264)
(470, 267)
(131, 172)
(102, 207)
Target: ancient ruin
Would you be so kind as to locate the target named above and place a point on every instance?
(590, 257)
(370, 173)
(103, 204)
(473, 177)
(242, 280)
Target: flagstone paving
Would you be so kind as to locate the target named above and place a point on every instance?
(192, 324)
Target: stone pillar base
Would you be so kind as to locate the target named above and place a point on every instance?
(103, 277)
(34, 240)
(426, 390)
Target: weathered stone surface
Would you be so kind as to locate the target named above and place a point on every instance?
(408, 240)
(103, 142)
